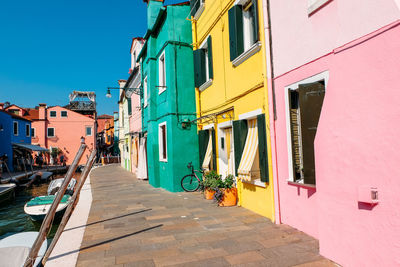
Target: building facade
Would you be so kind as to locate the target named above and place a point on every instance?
(231, 97)
(336, 73)
(168, 101)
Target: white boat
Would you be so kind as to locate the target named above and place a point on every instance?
(56, 184)
(7, 192)
(14, 249)
(38, 207)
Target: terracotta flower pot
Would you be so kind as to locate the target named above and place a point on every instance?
(209, 194)
(229, 198)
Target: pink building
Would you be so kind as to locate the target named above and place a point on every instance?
(335, 136)
(62, 128)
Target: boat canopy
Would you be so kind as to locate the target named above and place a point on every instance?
(31, 147)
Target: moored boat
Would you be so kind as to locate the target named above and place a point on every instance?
(15, 249)
(56, 184)
(7, 192)
(38, 207)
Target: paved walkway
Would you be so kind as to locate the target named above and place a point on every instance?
(133, 224)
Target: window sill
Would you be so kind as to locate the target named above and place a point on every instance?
(199, 11)
(205, 85)
(161, 91)
(163, 160)
(309, 186)
(256, 182)
(247, 54)
(316, 6)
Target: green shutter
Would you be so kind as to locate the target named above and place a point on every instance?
(203, 142)
(194, 6)
(199, 61)
(214, 151)
(210, 59)
(311, 97)
(255, 15)
(236, 45)
(262, 148)
(239, 140)
(129, 106)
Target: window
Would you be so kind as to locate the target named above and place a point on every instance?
(134, 59)
(207, 149)
(243, 31)
(162, 141)
(33, 134)
(88, 131)
(145, 95)
(304, 109)
(161, 73)
(51, 132)
(64, 114)
(250, 146)
(314, 5)
(15, 128)
(196, 8)
(53, 114)
(27, 130)
(129, 103)
(203, 65)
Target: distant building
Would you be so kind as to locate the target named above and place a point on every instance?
(105, 134)
(14, 129)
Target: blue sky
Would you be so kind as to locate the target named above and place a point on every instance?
(50, 47)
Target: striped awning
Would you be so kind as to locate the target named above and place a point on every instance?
(249, 151)
(207, 157)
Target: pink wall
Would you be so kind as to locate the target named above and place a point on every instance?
(135, 120)
(356, 145)
(298, 38)
(68, 132)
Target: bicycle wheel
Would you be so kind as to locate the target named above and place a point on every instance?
(190, 183)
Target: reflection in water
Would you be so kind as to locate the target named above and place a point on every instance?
(12, 216)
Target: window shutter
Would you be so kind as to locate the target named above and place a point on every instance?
(210, 59)
(203, 142)
(199, 67)
(255, 28)
(194, 6)
(214, 151)
(311, 97)
(236, 45)
(294, 133)
(239, 140)
(262, 148)
(129, 106)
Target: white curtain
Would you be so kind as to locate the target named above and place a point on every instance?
(141, 172)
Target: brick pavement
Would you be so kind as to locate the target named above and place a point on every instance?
(133, 224)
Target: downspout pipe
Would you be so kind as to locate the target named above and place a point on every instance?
(271, 104)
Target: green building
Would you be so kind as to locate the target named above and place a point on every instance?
(168, 97)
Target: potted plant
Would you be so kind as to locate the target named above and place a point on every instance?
(211, 181)
(226, 193)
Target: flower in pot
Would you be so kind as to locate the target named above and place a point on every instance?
(211, 181)
(226, 193)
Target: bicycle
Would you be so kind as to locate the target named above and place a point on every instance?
(191, 182)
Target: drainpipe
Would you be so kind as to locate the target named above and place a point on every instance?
(271, 104)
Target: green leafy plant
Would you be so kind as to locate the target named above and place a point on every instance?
(211, 180)
(221, 185)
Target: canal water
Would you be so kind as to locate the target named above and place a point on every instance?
(12, 216)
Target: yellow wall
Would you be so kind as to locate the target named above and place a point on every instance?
(242, 88)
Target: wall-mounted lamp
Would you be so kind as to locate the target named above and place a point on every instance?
(128, 91)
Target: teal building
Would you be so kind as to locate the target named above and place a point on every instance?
(168, 94)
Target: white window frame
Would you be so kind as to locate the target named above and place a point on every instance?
(314, 5)
(208, 81)
(145, 93)
(54, 131)
(200, 10)
(91, 130)
(15, 123)
(162, 73)
(318, 77)
(62, 113)
(55, 116)
(34, 132)
(160, 144)
(221, 127)
(28, 133)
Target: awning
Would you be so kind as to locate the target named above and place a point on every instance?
(207, 157)
(249, 152)
(31, 147)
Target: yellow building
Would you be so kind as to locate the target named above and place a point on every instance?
(231, 92)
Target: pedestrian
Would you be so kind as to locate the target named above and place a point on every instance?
(62, 160)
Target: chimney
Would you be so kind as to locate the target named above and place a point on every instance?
(121, 86)
(153, 8)
(42, 111)
(1, 106)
